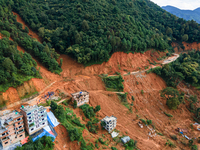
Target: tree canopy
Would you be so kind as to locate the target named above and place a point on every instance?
(90, 31)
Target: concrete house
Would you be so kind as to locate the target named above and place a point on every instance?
(110, 123)
(11, 128)
(35, 118)
(81, 97)
(125, 139)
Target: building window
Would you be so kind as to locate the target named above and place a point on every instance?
(18, 119)
(20, 127)
(43, 123)
(42, 116)
(28, 113)
(16, 137)
(6, 143)
(19, 123)
(42, 119)
(32, 129)
(21, 135)
(30, 120)
(3, 134)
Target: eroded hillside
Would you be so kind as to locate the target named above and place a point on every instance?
(147, 104)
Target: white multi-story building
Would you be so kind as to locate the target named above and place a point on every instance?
(110, 123)
(81, 97)
(35, 118)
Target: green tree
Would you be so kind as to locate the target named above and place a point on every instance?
(8, 64)
(185, 37)
(75, 104)
(41, 32)
(53, 105)
(97, 108)
(172, 95)
(85, 25)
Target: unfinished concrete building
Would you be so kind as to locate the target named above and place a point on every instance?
(11, 128)
(110, 123)
(35, 118)
(81, 97)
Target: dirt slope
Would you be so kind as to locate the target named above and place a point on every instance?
(150, 105)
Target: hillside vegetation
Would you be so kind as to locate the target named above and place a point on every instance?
(90, 30)
(9, 27)
(15, 67)
(185, 14)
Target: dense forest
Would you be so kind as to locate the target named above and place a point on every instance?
(15, 67)
(91, 30)
(9, 27)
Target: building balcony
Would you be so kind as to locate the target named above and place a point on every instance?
(5, 138)
(31, 125)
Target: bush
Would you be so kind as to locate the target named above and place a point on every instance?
(174, 137)
(131, 144)
(113, 148)
(170, 144)
(88, 111)
(114, 83)
(74, 134)
(194, 147)
(144, 121)
(75, 104)
(132, 97)
(149, 122)
(97, 108)
(5, 33)
(122, 97)
(142, 92)
(168, 115)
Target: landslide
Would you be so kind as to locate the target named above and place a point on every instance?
(149, 105)
(188, 47)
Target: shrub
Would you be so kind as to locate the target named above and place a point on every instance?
(132, 97)
(122, 97)
(97, 108)
(88, 111)
(113, 148)
(5, 33)
(149, 122)
(194, 147)
(131, 144)
(97, 146)
(142, 92)
(143, 121)
(75, 104)
(168, 115)
(114, 83)
(174, 137)
(74, 134)
(170, 144)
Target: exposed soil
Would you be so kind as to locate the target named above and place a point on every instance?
(149, 105)
(188, 47)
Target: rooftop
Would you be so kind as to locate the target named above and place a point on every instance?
(80, 92)
(6, 118)
(107, 119)
(30, 108)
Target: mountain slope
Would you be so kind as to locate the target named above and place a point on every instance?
(91, 31)
(185, 14)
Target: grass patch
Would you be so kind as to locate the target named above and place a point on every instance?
(114, 83)
(29, 95)
(168, 115)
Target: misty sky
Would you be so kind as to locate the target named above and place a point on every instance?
(181, 4)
